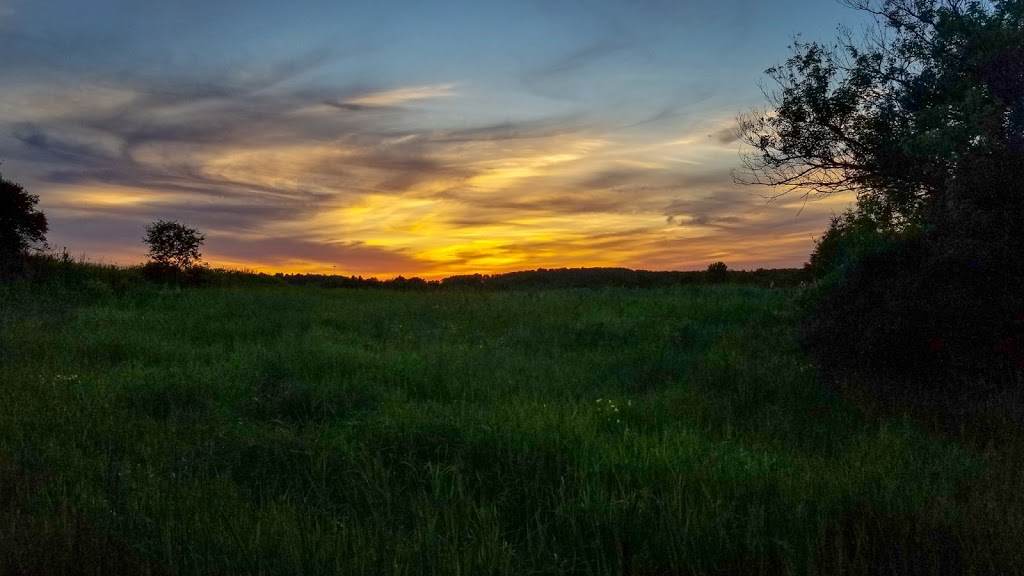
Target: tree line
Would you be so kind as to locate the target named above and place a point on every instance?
(175, 258)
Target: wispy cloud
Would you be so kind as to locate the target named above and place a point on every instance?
(398, 96)
(560, 78)
(278, 184)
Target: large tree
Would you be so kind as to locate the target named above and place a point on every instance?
(897, 114)
(923, 118)
(21, 224)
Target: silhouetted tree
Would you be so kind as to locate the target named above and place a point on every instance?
(21, 225)
(173, 245)
(896, 116)
(924, 120)
(718, 272)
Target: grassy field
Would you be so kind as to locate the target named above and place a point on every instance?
(613, 431)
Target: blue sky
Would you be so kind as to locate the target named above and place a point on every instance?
(384, 138)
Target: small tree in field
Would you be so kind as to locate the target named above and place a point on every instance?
(173, 245)
(21, 225)
(718, 272)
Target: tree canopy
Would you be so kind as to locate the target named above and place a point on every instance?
(923, 118)
(174, 245)
(897, 114)
(21, 224)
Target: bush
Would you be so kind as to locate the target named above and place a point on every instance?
(849, 236)
(921, 320)
(718, 272)
(174, 275)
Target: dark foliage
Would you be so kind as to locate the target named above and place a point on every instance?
(173, 245)
(921, 318)
(21, 226)
(174, 254)
(87, 280)
(938, 316)
(718, 272)
(623, 277)
(922, 279)
(544, 278)
(892, 117)
(848, 237)
(169, 274)
(61, 269)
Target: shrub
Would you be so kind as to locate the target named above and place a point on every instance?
(849, 236)
(165, 273)
(921, 320)
(718, 272)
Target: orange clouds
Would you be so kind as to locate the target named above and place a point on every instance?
(292, 182)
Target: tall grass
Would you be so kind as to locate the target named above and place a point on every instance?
(300, 431)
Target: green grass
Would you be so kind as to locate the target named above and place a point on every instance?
(302, 431)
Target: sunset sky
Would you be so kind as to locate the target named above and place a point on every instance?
(421, 138)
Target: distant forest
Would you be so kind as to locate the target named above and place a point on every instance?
(565, 278)
(64, 270)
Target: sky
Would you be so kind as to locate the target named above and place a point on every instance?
(417, 138)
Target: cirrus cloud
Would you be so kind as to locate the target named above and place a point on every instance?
(398, 96)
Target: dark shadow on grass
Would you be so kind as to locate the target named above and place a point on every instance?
(283, 399)
(163, 401)
(62, 541)
(866, 540)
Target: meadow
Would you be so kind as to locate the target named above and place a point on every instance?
(284, 430)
